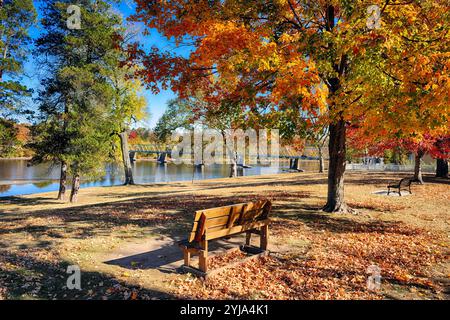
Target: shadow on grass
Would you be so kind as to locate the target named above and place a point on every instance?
(168, 216)
(168, 258)
(318, 220)
(24, 277)
(26, 201)
(432, 179)
(171, 216)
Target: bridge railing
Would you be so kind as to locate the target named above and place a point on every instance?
(157, 148)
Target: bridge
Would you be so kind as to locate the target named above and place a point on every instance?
(162, 151)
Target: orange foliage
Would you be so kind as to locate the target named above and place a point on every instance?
(392, 81)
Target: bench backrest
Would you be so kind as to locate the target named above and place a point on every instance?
(405, 182)
(221, 221)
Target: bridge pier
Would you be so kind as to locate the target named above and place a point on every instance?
(162, 158)
(199, 164)
(163, 151)
(240, 160)
(293, 164)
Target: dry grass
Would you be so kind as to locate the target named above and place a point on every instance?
(317, 256)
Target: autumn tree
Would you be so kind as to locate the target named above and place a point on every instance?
(414, 96)
(296, 123)
(441, 153)
(436, 147)
(427, 145)
(177, 115)
(128, 107)
(222, 116)
(286, 50)
(195, 110)
(296, 126)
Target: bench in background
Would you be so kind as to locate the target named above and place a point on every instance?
(404, 184)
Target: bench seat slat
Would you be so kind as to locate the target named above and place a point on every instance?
(211, 223)
(222, 222)
(221, 211)
(216, 228)
(236, 229)
(215, 217)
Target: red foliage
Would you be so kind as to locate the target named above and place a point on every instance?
(133, 135)
(437, 147)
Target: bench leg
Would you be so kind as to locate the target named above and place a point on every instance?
(248, 238)
(203, 257)
(264, 237)
(187, 258)
(400, 192)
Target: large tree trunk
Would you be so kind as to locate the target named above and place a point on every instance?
(126, 158)
(337, 131)
(336, 168)
(75, 188)
(62, 181)
(418, 167)
(441, 168)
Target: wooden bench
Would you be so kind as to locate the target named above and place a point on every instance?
(211, 224)
(403, 184)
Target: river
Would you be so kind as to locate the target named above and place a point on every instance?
(18, 179)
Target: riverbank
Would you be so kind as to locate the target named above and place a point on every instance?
(123, 239)
(26, 181)
(33, 180)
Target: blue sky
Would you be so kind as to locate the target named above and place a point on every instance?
(156, 104)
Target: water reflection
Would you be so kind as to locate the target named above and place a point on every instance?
(4, 188)
(42, 184)
(18, 179)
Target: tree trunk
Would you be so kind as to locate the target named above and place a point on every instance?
(337, 131)
(75, 188)
(321, 162)
(5, 50)
(126, 158)
(233, 166)
(418, 167)
(336, 168)
(62, 182)
(441, 168)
